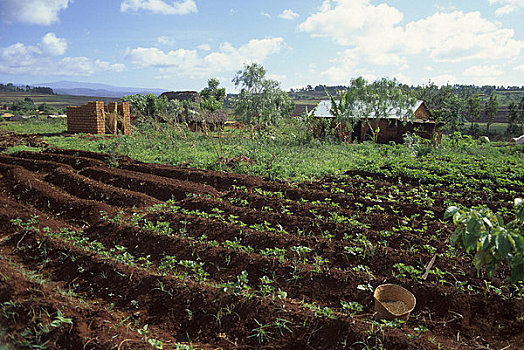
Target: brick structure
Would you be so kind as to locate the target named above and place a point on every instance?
(95, 118)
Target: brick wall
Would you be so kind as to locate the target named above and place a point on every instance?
(88, 118)
(95, 118)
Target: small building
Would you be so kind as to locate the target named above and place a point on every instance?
(191, 96)
(97, 118)
(392, 128)
(196, 118)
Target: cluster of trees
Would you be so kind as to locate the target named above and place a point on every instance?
(516, 116)
(454, 109)
(9, 87)
(261, 101)
(27, 106)
(161, 108)
(364, 102)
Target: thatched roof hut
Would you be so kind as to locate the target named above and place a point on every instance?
(191, 96)
(193, 114)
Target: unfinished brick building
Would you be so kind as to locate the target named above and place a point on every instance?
(97, 118)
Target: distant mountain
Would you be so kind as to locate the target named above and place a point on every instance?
(93, 89)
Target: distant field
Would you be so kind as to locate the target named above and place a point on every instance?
(59, 101)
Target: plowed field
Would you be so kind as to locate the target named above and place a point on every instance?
(139, 255)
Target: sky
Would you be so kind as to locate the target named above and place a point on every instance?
(179, 45)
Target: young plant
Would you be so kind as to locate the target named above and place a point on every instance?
(494, 242)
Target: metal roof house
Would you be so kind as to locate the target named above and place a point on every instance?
(392, 128)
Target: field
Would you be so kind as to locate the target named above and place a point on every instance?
(99, 252)
(59, 101)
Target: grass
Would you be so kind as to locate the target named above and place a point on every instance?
(40, 125)
(277, 153)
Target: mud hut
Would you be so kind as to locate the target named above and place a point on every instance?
(392, 128)
(193, 115)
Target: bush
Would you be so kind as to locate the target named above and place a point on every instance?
(493, 241)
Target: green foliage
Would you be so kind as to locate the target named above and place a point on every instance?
(260, 101)
(46, 108)
(150, 106)
(513, 118)
(490, 109)
(38, 125)
(494, 242)
(445, 104)
(369, 102)
(473, 108)
(26, 106)
(212, 97)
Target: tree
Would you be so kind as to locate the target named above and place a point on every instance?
(151, 106)
(24, 106)
(445, 105)
(370, 102)
(260, 101)
(473, 108)
(521, 113)
(46, 108)
(513, 117)
(490, 109)
(212, 96)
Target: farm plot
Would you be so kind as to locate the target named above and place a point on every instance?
(137, 255)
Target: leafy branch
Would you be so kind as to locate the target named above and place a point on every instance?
(493, 241)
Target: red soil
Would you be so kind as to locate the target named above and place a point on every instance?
(108, 302)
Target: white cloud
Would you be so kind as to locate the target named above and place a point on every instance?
(375, 34)
(277, 77)
(165, 40)
(38, 60)
(403, 78)
(520, 68)
(153, 57)
(458, 36)
(83, 66)
(508, 6)
(44, 12)
(204, 47)
(443, 79)
(349, 19)
(182, 7)
(483, 74)
(482, 71)
(288, 14)
(265, 14)
(53, 46)
(189, 63)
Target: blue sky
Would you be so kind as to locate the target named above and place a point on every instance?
(179, 45)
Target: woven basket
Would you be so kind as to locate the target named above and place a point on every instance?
(393, 302)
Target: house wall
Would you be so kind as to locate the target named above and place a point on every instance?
(396, 130)
(95, 118)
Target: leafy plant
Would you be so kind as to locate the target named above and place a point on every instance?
(494, 242)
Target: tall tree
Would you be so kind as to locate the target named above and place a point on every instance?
(212, 96)
(261, 100)
(371, 102)
(490, 109)
(513, 117)
(445, 105)
(521, 113)
(473, 109)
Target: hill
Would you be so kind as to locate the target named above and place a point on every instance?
(76, 88)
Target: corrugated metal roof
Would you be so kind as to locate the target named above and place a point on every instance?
(324, 107)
